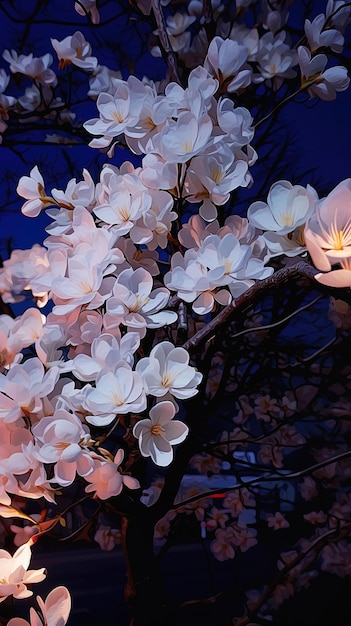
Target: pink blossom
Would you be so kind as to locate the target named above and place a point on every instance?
(107, 481)
(53, 612)
(15, 574)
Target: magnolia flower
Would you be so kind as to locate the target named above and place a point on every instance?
(115, 392)
(15, 574)
(135, 304)
(286, 211)
(35, 68)
(167, 370)
(32, 189)
(321, 82)
(108, 353)
(275, 58)
(53, 612)
(84, 284)
(119, 110)
(189, 278)
(74, 49)
(107, 481)
(236, 122)
(214, 175)
(62, 439)
(158, 433)
(181, 139)
(22, 390)
(328, 236)
(320, 35)
(226, 59)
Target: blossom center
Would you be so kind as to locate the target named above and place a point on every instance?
(125, 214)
(118, 401)
(187, 146)
(85, 287)
(117, 116)
(166, 380)
(337, 238)
(156, 429)
(286, 219)
(216, 174)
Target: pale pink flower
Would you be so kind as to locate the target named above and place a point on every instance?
(287, 207)
(76, 194)
(107, 481)
(308, 488)
(118, 111)
(22, 390)
(336, 558)
(15, 574)
(18, 272)
(243, 536)
(226, 59)
(53, 612)
(236, 122)
(107, 537)
(275, 58)
(167, 370)
(115, 393)
(62, 439)
(213, 176)
(277, 521)
(28, 327)
(34, 67)
(22, 534)
(158, 219)
(159, 433)
(74, 49)
(328, 235)
(183, 138)
(316, 517)
(123, 211)
(135, 304)
(189, 278)
(222, 546)
(32, 189)
(158, 173)
(217, 517)
(83, 285)
(107, 353)
(193, 233)
(321, 82)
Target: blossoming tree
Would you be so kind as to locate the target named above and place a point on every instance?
(168, 368)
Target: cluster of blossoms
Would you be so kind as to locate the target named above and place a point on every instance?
(122, 264)
(186, 123)
(93, 268)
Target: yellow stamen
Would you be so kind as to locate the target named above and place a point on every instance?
(156, 429)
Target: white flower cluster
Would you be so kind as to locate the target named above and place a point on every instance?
(186, 134)
(117, 248)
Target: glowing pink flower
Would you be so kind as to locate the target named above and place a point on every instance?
(15, 574)
(107, 481)
(53, 612)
